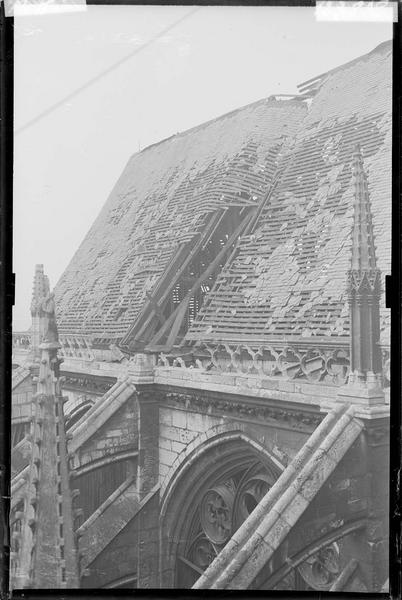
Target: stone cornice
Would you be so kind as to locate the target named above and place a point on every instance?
(96, 384)
(288, 417)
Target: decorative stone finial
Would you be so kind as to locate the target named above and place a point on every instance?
(47, 311)
(363, 249)
(40, 289)
(44, 328)
(364, 290)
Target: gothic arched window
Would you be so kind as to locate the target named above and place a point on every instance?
(220, 511)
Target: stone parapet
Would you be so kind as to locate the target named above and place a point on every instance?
(250, 385)
(91, 367)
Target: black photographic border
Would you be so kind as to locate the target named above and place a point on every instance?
(7, 284)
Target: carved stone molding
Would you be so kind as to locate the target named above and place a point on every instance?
(221, 508)
(216, 512)
(87, 384)
(321, 569)
(201, 552)
(77, 346)
(319, 560)
(148, 393)
(255, 483)
(368, 280)
(288, 418)
(21, 339)
(313, 361)
(386, 365)
(316, 361)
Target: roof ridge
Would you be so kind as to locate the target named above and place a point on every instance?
(271, 98)
(304, 85)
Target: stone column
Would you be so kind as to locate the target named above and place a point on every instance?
(148, 442)
(141, 372)
(376, 444)
(147, 480)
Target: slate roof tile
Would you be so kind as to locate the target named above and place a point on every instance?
(288, 276)
(307, 223)
(161, 201)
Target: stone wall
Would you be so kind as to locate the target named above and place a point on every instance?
(177, 429)
(194, 432)
(183, 429)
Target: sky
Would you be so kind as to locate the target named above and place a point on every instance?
(122, 77)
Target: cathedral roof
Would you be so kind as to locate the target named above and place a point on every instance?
(288, 278)
(288, 159)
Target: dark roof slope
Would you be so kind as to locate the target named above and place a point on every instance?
(162, 201)
(288, 277)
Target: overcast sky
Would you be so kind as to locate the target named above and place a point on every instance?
(214, 59)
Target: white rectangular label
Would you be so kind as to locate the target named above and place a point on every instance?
(20, 8)
(381, 12)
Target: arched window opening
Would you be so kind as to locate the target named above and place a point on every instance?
(96, 485)
(221, 510)
(74, 415)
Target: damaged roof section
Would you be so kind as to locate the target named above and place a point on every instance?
(288, 277)
(159, 207)
(240, 230)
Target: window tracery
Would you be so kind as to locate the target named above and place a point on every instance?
(221, 510)
(321, 569)
(222, 507)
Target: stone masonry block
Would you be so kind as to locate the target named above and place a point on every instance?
(261, 554)
(163, 470)
(254, 383)
(317, 477)
(292, 512)
(201, 422)
(167, 457)
(270, 384)
(277, 532)
(342, 443)
(114, 433)
(185, 436)
(171, 433)
(165, 444)
(222, 379)
(165, 417)
(286, 386)
(179, 419)
(177, 447)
